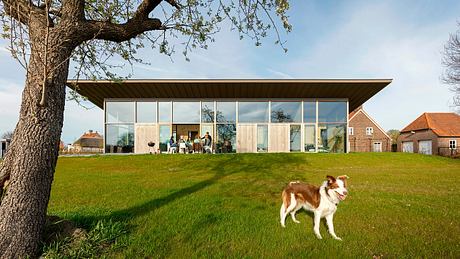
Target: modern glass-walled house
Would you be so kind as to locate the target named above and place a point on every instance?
(240, 115)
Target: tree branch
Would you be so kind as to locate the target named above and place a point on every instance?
(121, 32)
(140, 23)
(22, 10)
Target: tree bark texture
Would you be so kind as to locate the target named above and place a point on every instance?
(31, 159)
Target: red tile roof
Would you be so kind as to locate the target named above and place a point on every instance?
(442, 124)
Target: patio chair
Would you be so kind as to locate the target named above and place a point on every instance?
(182, 148)
(171, 150)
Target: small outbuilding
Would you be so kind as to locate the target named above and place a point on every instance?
(365, 134)
(432, 134)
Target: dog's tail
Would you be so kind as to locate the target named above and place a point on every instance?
(286, 199)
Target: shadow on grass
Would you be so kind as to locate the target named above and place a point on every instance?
(231, 165)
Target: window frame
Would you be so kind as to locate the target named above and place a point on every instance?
(452, 144)
(369, 131)
(351, 131)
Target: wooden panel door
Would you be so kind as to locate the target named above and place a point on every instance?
(279, 138)
(246, 138)
(145, 133)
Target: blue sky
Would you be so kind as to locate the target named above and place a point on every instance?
(402, 40)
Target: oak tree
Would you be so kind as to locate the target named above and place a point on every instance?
(49, 36)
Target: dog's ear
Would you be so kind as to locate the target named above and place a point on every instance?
(344, 179)
(330, 179)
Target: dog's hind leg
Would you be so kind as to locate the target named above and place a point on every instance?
(294, 212)
(283, 214)
(330, 226)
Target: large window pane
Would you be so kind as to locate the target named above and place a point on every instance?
(207, 112)
(253, 112)
(146, 112)
(226, 138)
(186, 112)
(286, 112)
(262, 138)
(226, 112)
(331, 138)
(310, 138)
(295, 138)
(119, 112)
(119, 138)
(309, 112)
(165, 135)
(332, 112)
(164, 110)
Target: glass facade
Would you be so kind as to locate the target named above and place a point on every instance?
(146, 112)
(309, 112)
(295, 138)
(310, 138)
(226, 112)
(165, 135)
(207, 112)
(119, 138)
(286, 112)
(119, 112)
(314, 125)
(226, 138)
(165, 111)
(332, 112)
(331, 138)
(186, 112)
(262, 138)
(251, 112)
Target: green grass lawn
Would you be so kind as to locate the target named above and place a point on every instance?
(400, 205)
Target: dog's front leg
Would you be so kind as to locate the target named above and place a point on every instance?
(330, 226)
(316, 226)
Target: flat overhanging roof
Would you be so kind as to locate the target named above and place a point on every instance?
(357, 91)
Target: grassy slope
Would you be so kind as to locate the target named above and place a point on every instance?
(400, 205)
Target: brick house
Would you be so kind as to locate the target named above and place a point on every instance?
(90, 142)
(365, 135)
(432, 133)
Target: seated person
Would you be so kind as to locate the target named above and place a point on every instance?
(207, 143)
(172, 142)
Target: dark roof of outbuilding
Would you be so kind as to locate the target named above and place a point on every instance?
(357, 91)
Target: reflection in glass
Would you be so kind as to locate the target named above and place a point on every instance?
(186, 112)
(119, 112)
(119, 138)
(253, 112)
(332, 112)
(286, 112)
(207, 112)
(331, 138)
(262, 138)
(146, 112)
(295, 138)
(165, 135)
(310, 138)
(164, 110)
(226, 138)
(226, 112)
(309, 112)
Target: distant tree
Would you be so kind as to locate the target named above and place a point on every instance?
(394, 135)
(7, 135)
(451, 61)
(47, 37)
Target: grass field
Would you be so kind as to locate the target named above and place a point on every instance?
(400, 205)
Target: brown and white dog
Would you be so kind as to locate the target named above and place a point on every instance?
(322, 201)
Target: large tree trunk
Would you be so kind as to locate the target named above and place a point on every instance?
(32, 157)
